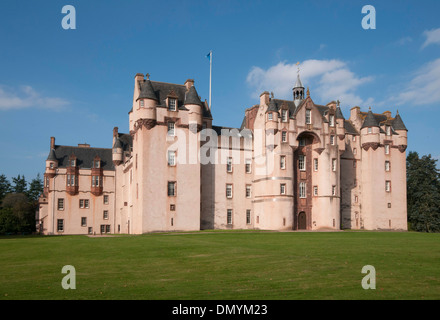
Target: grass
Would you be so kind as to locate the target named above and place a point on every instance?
(223, 265)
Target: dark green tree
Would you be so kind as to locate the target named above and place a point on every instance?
(423, 193)
(20, 184)
(35, 188)
(23, 211)
(5, 187)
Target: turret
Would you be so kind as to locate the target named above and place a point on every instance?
(272, 116)
(401, 130)
(51, 161)
(144, 105)
(370, 132)
(117, 152)
(298, 91)
(340, 128)
(194, 105)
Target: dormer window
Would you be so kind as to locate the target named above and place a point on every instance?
(96, 164)
(332, 120)
(388, 130)
(308, 116)
(72, 162)
(172, 104)
(284, 115)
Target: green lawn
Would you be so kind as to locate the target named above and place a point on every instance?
(223, 265)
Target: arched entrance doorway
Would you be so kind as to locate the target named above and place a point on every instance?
(302, 221)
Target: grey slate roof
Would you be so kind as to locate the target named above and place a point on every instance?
(398, 123)
(298, 83)
(338, 114)
(192, 97)
(371, 120)
(290, 105)
(349, 128)
(272, 106)
(84, 156)
(146, 90)
(52, 155)
(162, 90)
(126, 140)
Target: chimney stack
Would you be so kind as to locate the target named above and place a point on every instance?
(189, 83)
(52, 143)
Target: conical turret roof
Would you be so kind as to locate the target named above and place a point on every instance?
(192, 97)
(298, 83)
(398, 123)
(52, 156)
(147, 91)
(338, 114)
(370, 120)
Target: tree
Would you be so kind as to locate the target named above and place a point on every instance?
(5, 187)
(35, 188)
(423, 193)
(22, 210)
(20, 184)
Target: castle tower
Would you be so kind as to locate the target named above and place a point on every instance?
(298, 91)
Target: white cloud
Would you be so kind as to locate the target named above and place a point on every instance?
(423, 88)
(328, 80)
(432, 37)
(27, 97)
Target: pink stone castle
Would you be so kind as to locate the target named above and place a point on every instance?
(293, 165)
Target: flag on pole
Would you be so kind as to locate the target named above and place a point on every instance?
(209, 56)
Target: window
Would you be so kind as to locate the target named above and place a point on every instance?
(354, 163)
(229, 216)
(302, 189)
(388, 130)
(302, 142)
(354, 151)
(302, 162)
(332, 120)
(283, 162)
(270, 116)
(333, 190)
(60, 204)
(96, 163)
(171, 129)
(142, 103)
(332, 140)
(248, 166)
(105, 215)
(370, 130)
(356, 199)
(248, 216)
(388, 186)
(334, 164)
(47, 182)
(105, 199)
(84, 203)
(83, 222)
(73, 163)
(387, 149)
(229, 164)
(308, 116)
(229, 191)
(172, 207)
(283, 136)
(171, 158)
(248, 191)
(353, 138)
(283, 188)
(90, 230)
(387, 166)
(71, 180)
(51, 165)
(60, 225)
(171, 188)
(315, 191)
(315, 164)
(171, 104)
(96, 181)
(105, 228)
(284, 114)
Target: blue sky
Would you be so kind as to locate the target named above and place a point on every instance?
(77, 84)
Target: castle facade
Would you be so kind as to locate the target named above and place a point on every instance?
(292, 165)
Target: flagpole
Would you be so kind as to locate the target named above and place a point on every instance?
(210, 77)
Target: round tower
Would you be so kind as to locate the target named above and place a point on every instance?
(144, 106)
(117, 152)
